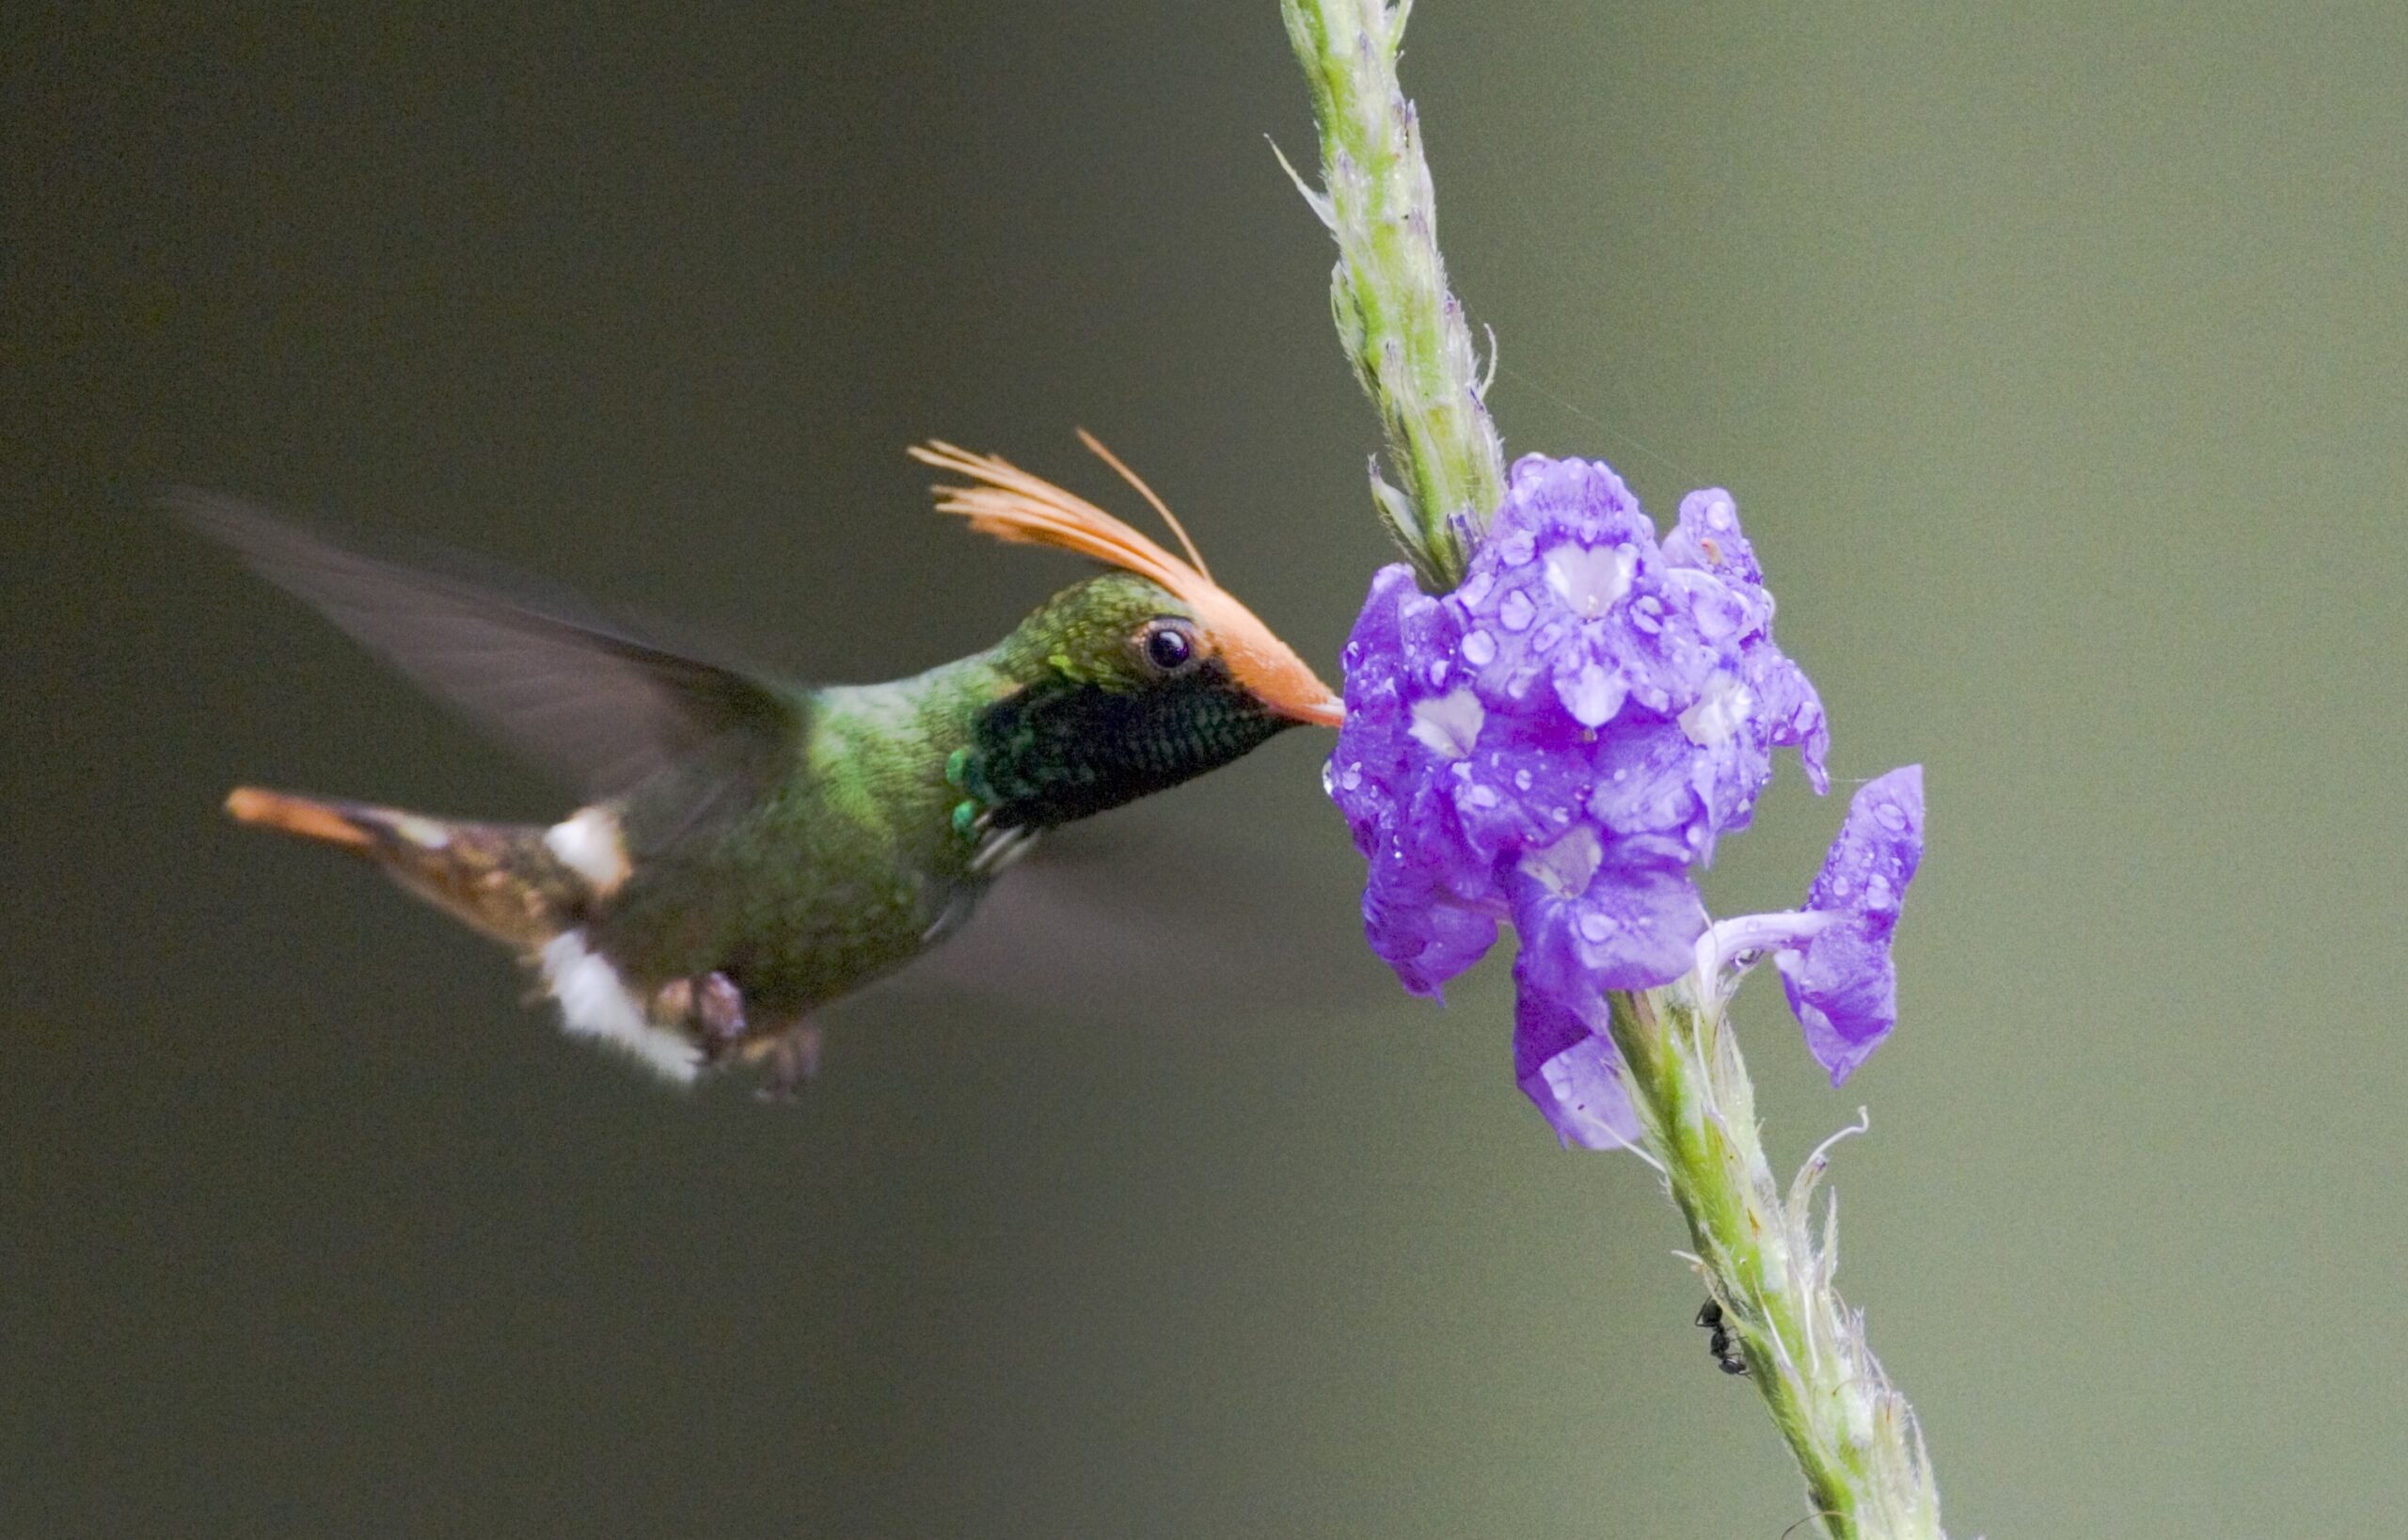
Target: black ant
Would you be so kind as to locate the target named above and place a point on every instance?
(1724, 1346)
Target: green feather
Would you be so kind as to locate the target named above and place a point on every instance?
(877, 838)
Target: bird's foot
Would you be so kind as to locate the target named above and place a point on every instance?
(710, 1009)
(789, 1059)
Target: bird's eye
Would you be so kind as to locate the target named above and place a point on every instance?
(1169, 645)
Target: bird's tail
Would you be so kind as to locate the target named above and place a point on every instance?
(501, 878)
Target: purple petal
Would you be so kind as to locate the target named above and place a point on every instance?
(1707, 537)
(1430, 941)
(1643, 781)
(1875, 854)
(1429, 908)
(1526, 786)
(1581, 498)
(1788, 711)
(1376, 640)
(1566, 1064)
(1843, 991)
(1843, 986)
(1633, 924)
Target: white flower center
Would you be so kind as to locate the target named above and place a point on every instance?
(1590, 578)
(1720, 710)
(1448, 725)
(1593, 694)
(1565, 868)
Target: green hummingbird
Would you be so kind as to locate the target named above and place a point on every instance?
(750, 848)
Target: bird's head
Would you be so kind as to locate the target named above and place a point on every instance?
(1131, 681)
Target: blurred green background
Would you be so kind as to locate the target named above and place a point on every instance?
(2055, 356)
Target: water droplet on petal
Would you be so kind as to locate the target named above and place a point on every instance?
(1328, 780)
(1716, 613)
(1521, 780)
(1480, 649)
(1517, 611)
(1353, 776)
(1595, 926)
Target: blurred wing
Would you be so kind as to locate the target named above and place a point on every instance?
(594, 705)
(1137, 920)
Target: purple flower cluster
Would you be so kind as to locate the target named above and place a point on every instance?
(1563, 736)
(1558, 742)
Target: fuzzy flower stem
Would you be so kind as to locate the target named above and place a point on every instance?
(1853, 1435)
(1403, 331)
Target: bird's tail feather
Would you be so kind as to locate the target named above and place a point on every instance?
(501, 878)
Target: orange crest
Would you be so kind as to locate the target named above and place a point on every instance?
(1010, 504)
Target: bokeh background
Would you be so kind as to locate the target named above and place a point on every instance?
(2055, 356)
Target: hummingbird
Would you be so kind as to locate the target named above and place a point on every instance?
(750, 849)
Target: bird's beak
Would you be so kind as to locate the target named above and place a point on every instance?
(1275, 676)
(1328, 711)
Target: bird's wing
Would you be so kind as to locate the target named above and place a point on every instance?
(583, 697)
(1153, 917)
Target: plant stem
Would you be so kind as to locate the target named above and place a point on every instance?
(1853, 1435)
(1403, 330)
